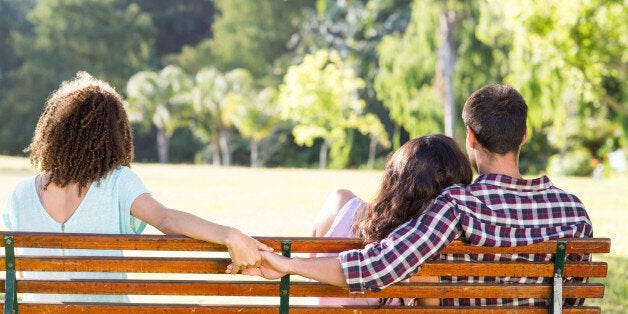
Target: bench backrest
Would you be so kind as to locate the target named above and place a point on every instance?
(167, 257)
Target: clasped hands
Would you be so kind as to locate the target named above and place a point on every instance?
(273, 266)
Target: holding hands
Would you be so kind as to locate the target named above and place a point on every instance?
(272, 266)
(275, 266)
(244, 251)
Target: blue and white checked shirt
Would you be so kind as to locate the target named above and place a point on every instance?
(495, 210)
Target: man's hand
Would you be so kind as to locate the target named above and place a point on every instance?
(273, 266)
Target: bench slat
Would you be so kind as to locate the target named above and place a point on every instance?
(114, 242)
(574, 246)
(299, 244)
(70, 308)
(301, 289)
(120, 264)
(450, 290)
(511, 269)
(218, 266)
(196, 263)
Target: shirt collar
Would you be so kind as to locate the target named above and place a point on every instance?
(510, 183)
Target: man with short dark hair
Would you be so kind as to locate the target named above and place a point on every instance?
(499, 209)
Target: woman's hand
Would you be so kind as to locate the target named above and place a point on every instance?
(244, 250)
(273, 266)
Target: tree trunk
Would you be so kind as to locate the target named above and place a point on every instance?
(162, 145)
(446, 67)
(396, 138)
(322, 155)
(215, 150)
(254, 153)
(225, 137)
(372, 151)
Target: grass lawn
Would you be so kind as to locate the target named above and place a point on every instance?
(284, 202)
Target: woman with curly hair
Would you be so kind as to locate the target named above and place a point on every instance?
(414, 175)
(82, 148)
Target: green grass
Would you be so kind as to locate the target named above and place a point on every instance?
(284, 202)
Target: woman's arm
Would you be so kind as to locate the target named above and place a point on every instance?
(244, 250)
(328, 212)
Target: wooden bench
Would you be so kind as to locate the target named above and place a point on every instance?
(178, 255)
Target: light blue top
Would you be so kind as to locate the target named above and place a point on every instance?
(106, 208)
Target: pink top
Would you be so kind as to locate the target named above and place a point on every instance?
(340, 228)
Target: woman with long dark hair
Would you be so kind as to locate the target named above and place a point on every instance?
(414, 175)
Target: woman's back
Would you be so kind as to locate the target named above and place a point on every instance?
(59, 202)
(103, 208)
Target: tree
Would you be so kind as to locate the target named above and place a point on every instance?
(214, 97)
(421, 81)
(157, 98)
(102, 37)
(204, 97)
(447, 59)
(247, 34)
(255, 116)
(109, 40)
(12, 21)
(407, 63)
(320, 97)
(354, 29)
(372, 126)
(15, 128)
(178, 23)
(568, 59)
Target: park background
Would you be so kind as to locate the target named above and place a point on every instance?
(239, 102)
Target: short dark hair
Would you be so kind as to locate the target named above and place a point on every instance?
(82, 134)
(497, 115)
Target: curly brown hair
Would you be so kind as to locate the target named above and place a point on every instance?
(83, 133)
(415, 174)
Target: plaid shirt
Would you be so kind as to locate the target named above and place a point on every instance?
(496, 210)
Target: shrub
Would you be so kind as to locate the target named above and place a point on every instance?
(573, 163)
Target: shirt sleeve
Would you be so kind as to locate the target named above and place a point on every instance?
(131, 186)
(8, 212)
(401, 254)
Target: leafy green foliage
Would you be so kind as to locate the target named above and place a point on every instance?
(407, 83)
(156, 98)
(566, 57)
(247, 34)
(102, 37)
(17, 116)
(255, 115)
(109, 40)
(574, 163)
(216, 100)
(320, 97)
(354, 29)
(179, 23)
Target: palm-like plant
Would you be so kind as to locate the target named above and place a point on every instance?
(156, 98)
(255, 117)
(214, 96)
